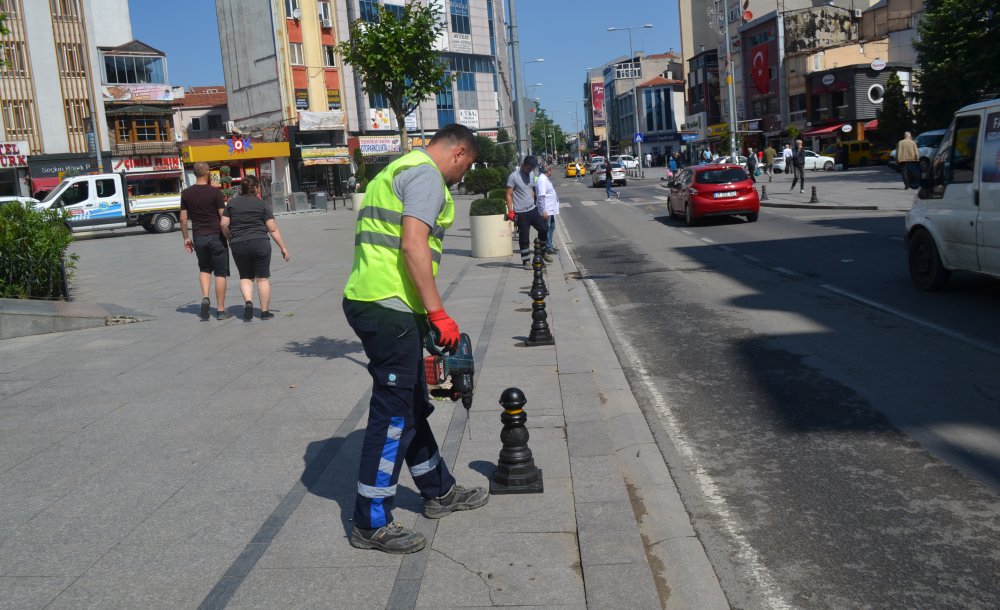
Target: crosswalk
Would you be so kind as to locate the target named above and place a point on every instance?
(589, 203)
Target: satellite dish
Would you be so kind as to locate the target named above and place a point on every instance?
(296, 14)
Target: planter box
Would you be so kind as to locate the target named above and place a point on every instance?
(354, 200)
(491, 236)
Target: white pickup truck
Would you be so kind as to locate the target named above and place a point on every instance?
(99, 202)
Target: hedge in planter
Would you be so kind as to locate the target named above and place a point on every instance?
(32, 248)
(487, 207)
(497, 194)
(480, 181)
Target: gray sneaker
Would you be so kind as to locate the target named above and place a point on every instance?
(526, 265)
(457, 498)
(391, 538)
(547, 257)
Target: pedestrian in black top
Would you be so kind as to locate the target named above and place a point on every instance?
(247, 222)
(202, 204)
(798, 167)
(751, 164)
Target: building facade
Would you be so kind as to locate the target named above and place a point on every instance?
(201, 112)
(53, 71)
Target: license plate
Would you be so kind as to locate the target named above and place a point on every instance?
(724, 194)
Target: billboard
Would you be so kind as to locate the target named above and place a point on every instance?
(137, 93)
(597, 100)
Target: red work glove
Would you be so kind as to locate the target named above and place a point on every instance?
(510, 215)
(446, 328)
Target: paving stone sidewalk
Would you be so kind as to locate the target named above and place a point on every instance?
(174, 463)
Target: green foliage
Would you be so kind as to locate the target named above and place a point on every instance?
(792, 132)
(32, 246)
(395, 57)
(544, 132)
(487, 207)
(481, 181)
(958, 56)
(3, 32)
(498, 194)
(894, 117)
(487, 151)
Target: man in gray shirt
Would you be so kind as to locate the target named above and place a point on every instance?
(521, 202)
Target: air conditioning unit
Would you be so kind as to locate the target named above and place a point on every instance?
(325, 22)
(230, 126)
(857, 13)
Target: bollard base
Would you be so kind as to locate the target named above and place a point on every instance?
(534, 487)
(538, 343)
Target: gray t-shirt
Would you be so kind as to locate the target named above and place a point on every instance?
(421, 190)
(524, 190)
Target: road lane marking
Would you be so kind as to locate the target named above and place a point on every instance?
(787, 272)
(986, 347)
(725, 248)
(564, 205)
(589, 203)
(661, 197)
(707, 240)
(748, 555)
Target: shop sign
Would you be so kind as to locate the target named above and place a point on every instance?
(57, 168)
(137, 93)
(846, 128)
(829, 79)
(752, 125)
(469, 118)
(378, 145)
(136, 165)
(411, 122)
(378, 119)
(488, 133)
(326, 155)
(878, 64)
(332, 99)
(14, 154)
(302, 99)
(597, 103)
(461, 43)
(239, 145)
(717, 131)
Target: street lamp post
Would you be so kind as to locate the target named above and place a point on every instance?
(635, 93)
(520, 103)
(576, 114)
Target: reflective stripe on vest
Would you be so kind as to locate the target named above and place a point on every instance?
(379, 272)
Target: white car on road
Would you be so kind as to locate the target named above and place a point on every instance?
(627, 161)
(813, 162)
(617, 176)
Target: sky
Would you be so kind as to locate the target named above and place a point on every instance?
(569, 36)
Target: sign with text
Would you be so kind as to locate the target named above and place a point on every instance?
(302, 99)
(14, 154)
(461, 43)
(333, 99)
(469, 118)
(378, 119)
(597, 103)
(144, 164)
(378, 145)
(137, 93)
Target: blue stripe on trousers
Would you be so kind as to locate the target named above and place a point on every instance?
(384, 479)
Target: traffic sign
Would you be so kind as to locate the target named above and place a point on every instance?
(637, 138)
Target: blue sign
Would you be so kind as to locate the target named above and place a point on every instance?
(638, 138)
(687, 137)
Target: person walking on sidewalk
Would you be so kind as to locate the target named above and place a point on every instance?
(521, 204)
(798, 167)
(391, 301)
(786, 154)
(751, 166)
(247, 222)
(548, 205)
(769, 156)
(908, 158)
(608, 181)
(203, 204)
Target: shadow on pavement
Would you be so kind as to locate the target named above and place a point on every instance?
(325, 347)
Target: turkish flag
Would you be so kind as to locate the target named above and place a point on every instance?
(759, 70)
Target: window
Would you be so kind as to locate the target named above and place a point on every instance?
(325, 14)
(123, 130)
(9, 7)
(329, 56)
(105, 187)
(75, 110)
(369, 11)
(65, 10)
(17, 117)
(290, 7)
(295, 53)
(460, 22)
(377, 100)
(489, 19)
(395, 10)
(71, 62)
(76, 193)
(195, 124)
(13, 56)
(466, 81)
(961, 158)
(214, 121)
(445, 108)
(147, 130)
(127, 69)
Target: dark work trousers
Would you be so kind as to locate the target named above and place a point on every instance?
(526, 220)
(910, 171)
(397, 416)
(799, 176)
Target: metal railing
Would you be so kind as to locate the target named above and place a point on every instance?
(36, 279)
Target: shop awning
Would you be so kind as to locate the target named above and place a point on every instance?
(223, 153)
(870, 125)
(154, 175)
(823, 131)
(138, 110)
(43, 184)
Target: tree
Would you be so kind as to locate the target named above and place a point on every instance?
(958, 56)
(544, 131)
(894, 117)
(506, 149)
(395, 57)
(487, 151)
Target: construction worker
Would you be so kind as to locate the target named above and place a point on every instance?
(390, 301)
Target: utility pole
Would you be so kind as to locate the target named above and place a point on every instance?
(730, 86)
(635, 91)
(517, 68)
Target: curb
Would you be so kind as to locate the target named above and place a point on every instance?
(819, 206)
(24, 317)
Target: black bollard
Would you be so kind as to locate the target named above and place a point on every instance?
(813, 199)
(763, 193)
(516, 472)
(538, 263)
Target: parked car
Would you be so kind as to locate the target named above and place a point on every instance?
(627, 161)
(954, 223)
(617, 176)
(927, 145)
(571, 170)
(594, 162)
(859, 152)
(700, 191)
(778, 166)
(741, 159)
(27, 201)
(813, 162)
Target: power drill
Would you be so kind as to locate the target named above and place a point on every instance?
(458, 364)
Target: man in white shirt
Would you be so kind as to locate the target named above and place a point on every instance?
(786, 154)
(548, 205)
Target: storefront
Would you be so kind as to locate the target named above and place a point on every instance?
(238, 157)
(47, 171)
(319, 157)
(149, 176)
(14, 169)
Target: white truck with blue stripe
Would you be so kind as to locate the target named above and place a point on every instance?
(99, 202)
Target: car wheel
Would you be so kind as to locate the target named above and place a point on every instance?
(752, 217)
(688, 215)
(828, 166)
(164, 223)
(149, 228)
(925, 165)
(670, 210)
(926, 269)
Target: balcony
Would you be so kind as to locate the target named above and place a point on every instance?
(131, 149)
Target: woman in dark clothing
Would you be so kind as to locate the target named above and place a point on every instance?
(246, 223)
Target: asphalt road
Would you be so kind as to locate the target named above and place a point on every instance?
(835, 434)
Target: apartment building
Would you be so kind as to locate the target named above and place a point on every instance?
(51, 112)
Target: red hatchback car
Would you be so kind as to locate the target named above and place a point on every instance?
(713, 190)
